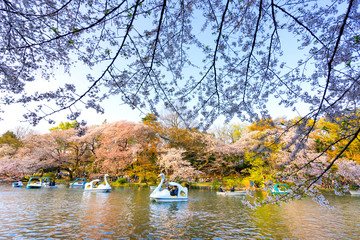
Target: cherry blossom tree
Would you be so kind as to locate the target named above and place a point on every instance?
(172, 162)
(241, 45)
(216, 58)
(59, 149)
(349, 170)
(216, 157)
(31, 157)
(119, 145)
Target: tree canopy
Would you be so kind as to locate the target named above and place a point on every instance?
(214, 58)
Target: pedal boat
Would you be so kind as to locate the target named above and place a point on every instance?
(95, 187)
(163, 194)
(35, 182)
(78, 183)
(235, 193)
(280, 188)
(17, 184)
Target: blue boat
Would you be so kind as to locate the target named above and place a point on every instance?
(280, 188)
(17, 184)
(78, 183)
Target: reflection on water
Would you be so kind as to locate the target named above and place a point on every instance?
(127, 213)
(168, 218)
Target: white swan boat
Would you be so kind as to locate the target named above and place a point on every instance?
(235, 193)
(96, 187)
(152, 188)
(17, 184)
(163, 195)
(78, 183)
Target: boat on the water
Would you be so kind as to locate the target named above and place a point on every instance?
(78, 183)
(152, 188)
(280, 188)
(41, 182)
(175, 192)
(17, 184)
(95, 185)
(235, 193)
(35, 182)
(49, 183)
(355, 193)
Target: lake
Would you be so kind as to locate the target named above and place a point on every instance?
(127, 213)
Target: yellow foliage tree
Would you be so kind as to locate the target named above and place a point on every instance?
(333, 135)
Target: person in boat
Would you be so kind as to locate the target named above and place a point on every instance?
(220, 189)
(232, 189)
(52, 183)
(174, 191)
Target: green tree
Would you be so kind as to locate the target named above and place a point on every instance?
(229, 133)
(10, 139)
(65, 126)
(9, 144)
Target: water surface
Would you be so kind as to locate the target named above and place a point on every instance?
(127, 213)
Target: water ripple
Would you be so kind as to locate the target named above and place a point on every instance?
(127, 213)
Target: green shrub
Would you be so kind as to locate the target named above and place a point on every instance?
(121, 181)
(50, 175)
(353, 186)
(152, 180)
(215, 184)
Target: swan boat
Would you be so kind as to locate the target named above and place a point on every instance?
(235, 193)
(280, 188)
(35, 182)
(163, 195)
(78, 183)
(17, 184)
(96, 187)
(152, 188)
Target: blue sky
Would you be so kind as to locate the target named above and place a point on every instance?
(114, 109)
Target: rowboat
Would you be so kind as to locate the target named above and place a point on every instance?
(355, 193)
(235, 193)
